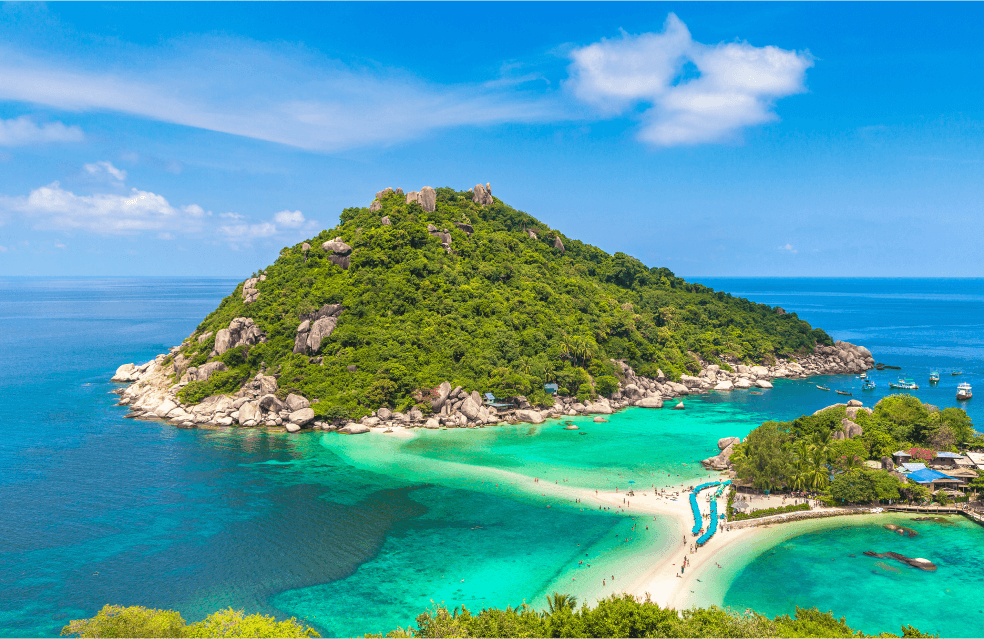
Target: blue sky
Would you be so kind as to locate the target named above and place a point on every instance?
(799, 139)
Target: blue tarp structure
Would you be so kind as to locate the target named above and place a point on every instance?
(713, 526)
(694, 507)
(927, 476)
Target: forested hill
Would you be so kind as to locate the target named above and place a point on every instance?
(456, 285)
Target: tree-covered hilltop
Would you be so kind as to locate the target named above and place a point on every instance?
(825, 452)
(481, 295)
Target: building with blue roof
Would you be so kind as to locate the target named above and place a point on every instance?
(933, 479)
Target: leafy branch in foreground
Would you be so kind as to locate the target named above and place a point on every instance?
(137, 621)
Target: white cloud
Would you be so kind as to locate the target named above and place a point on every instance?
(289, 219)
(23, 131)
(788, 247)
(695, 93)
(231, 216)
(105, 168)
(247, 232)
(53, 208)
(285, 94)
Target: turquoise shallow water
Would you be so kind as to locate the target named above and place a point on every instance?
(97, 509)
(826, 568)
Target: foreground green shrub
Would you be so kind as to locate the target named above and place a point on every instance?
(137, 621)
(134, 621)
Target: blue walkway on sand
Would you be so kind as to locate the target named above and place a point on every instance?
(695, 508)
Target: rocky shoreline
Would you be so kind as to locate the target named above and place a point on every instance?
(152, 393)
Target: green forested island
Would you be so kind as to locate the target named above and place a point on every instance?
(451, 285)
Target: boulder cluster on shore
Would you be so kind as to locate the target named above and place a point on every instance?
(153, 394)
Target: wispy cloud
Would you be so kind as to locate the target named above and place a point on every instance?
(105, 168)
(693, 93)
(289, 219)
(288, 95)
(788, 248)
(24, 131)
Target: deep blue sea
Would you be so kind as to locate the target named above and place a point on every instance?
(353, 537)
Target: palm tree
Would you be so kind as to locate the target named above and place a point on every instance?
(819, 474)
(557, 602)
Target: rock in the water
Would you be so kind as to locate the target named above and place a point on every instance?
(302, 416)
(598, 408)
(650, 402)
(724, 386)
(598, 420)
(469, 409)
(272, 404)
(428, 199)
(482, 196)
(292, 428)
(354, 429)
(678, 406)
(531, 416)
(126, 373)
(250, 411)
(573, 427)
(166, 407)
(743, 383)
(296, 402)
(761, 383)
(724, 442)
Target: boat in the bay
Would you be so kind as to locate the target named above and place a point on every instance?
(964, 391)
(840, 392)
(868, 385)
(957, 373)
(934, 377)
(904, 384)
(822, 387)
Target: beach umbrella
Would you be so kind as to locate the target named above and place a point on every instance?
(631, 482)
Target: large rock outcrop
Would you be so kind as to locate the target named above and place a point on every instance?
(338, 252)
(242, 331)
(426, 198)
(482, 195)
(316, 326)
(250, 294)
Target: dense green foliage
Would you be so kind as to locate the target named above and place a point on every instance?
(803, 454)
(617, 617)
(625, 616)
(502, 312)
(137, 621)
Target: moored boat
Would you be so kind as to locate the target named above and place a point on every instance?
(934, 377)
(964, 391)
(868, 385)
(824, 388)
(840, 392)
(905, 384)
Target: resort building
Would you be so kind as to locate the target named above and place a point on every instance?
(944, 458)
(934, 479)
